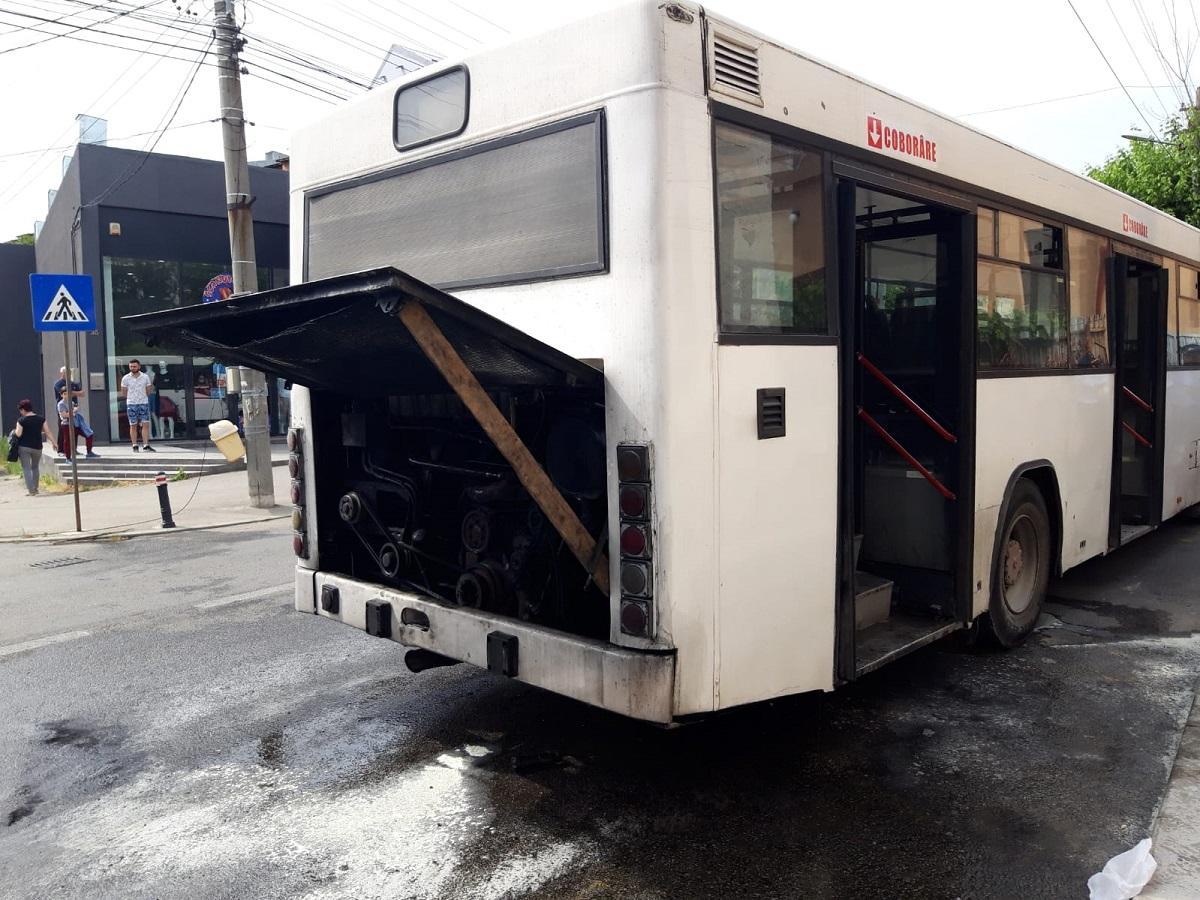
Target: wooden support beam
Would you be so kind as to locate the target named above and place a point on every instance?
(532, 476)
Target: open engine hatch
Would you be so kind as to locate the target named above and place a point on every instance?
(342, 334)
(370, 345)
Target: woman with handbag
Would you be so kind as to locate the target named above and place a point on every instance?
(29, 430)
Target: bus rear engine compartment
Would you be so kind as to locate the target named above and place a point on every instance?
(423, 501)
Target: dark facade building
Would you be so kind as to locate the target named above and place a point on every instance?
(20, 349)
(151, 230)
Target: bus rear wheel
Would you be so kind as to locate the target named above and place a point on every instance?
(1021, 569)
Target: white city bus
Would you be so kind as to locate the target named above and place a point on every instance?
(659, 365)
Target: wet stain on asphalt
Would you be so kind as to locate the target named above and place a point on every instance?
(28, 803)
(1133, 619)
(270, 750)
(65, 733)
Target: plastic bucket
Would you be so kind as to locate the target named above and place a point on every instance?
(225, 435)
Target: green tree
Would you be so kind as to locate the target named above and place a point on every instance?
(1164, 174)
(22, 239)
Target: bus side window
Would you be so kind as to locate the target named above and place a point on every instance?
(770, 234)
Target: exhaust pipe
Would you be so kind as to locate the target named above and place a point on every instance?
(420, 660)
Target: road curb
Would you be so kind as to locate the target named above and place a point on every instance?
(89, 536)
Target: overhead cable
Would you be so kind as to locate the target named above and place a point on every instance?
(1111, 69)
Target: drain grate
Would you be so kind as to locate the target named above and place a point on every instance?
(59, 562)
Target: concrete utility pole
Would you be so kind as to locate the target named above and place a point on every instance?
(241, 245)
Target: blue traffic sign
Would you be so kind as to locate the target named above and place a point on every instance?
(62, 302)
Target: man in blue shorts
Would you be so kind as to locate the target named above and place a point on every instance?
(136, 387)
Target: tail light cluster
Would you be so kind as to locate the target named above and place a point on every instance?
(637, 573)
(295, 442)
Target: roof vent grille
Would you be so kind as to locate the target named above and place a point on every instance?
(735, 66)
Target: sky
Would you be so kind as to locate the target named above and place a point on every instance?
(1025, 71)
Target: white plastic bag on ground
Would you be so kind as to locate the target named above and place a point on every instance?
(1124, 876)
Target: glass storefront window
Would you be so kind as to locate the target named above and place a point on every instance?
(133, 286)
(190, 392)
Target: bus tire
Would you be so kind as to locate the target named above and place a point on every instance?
(1021, 568)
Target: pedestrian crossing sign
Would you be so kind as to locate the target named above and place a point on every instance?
(63, 302)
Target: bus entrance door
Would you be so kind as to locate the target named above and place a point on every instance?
(1140, 304)
(909, 401)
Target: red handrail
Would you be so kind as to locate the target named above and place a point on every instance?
(1137, 437)
(906, 400)
(1138, 400)
(908, 457)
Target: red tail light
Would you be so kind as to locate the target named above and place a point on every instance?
(295, 440)
(634, 503)
(637, 571)
(634, 541)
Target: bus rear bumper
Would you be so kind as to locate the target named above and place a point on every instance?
(630, 682)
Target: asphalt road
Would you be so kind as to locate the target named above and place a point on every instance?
(159, 741)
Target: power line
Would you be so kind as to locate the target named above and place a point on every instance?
(182, 95)
(1107, 90)
(91, 26)
(295, 62)
(59, 20)
(15, 186)
(327, 31)
(112, 46)
(1136, 58)
(289, 86)
(1111, 69)
(304, 57)
(394, 32)
(299, 81)
(1152, 39)
(480, 17)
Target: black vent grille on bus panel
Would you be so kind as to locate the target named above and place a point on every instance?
(735, 65)
(771, 413)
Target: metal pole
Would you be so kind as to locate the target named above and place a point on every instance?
(71, 429)
(241, 246)
(164, 500)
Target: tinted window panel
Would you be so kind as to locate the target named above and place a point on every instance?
(1031, 242)
(986, 232)
(431, 110)
(1189, 331)
(525, 210)
(1022, 319)
(1172, 312)
(1089, 299)
(771, 235)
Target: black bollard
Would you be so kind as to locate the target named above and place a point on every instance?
(164, 501)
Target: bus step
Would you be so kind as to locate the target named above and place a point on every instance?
(872, 600)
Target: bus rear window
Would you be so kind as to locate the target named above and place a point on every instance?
(431, 110)
(521, 208)
(771, 235)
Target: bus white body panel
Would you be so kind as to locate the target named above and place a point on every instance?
(1066, 420)
(777, 525)
(1181, 462)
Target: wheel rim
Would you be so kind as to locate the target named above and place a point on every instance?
(1022, 562)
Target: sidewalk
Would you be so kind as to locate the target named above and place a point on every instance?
(219, 499)
(1177, 833)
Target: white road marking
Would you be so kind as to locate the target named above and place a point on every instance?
(42, 642)
(241, 598)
